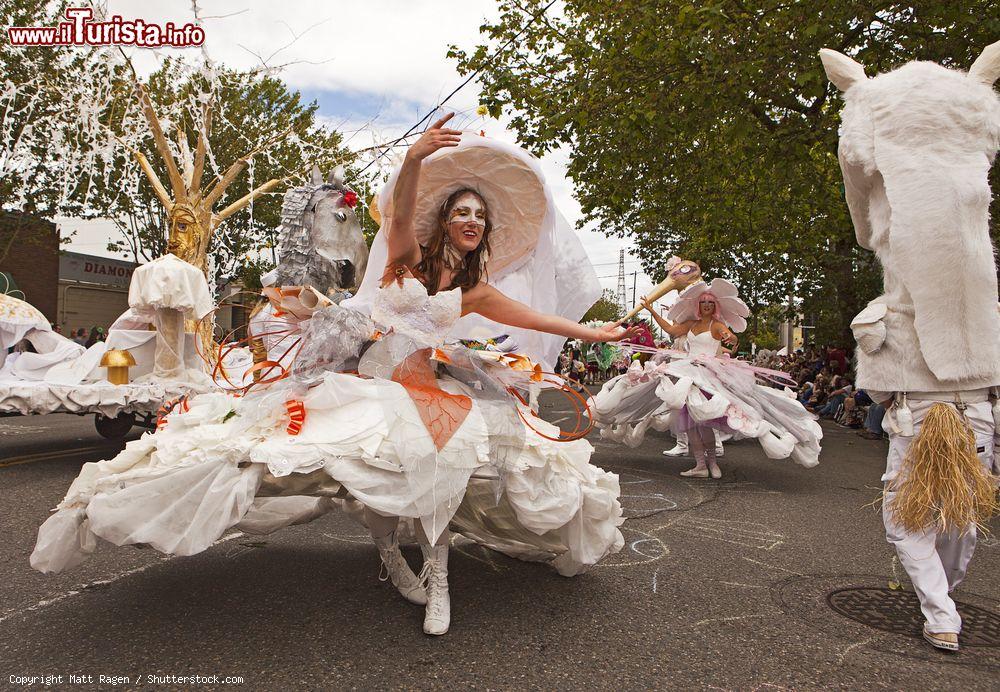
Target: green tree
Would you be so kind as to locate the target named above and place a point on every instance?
(709, 130)
(26, 111)
(606, 309)
(39, 153)
(763, 327)
(70, 121)
(251, 112)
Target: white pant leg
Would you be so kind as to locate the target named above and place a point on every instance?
(682, 440)
(936, 563)
(955, 552)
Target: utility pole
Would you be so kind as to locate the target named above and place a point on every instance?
(621, 283)
(634, 275)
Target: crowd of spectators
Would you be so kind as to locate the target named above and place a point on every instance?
(825, 386)
(81, 337)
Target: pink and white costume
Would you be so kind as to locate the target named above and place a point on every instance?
(675, 389)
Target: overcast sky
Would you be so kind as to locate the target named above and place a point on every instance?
(376, 61)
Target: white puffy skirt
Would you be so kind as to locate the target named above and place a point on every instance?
(674, 393)
(225, 462)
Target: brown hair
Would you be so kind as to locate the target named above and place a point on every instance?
(473, 267)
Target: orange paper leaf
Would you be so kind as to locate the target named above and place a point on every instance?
(441, 413)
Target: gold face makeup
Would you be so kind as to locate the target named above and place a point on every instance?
(467, 223)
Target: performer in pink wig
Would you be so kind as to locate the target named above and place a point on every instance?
(703, 388)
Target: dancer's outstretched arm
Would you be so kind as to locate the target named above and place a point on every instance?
(494, 305)
(402, 236)
(674, 330)
(728, 339)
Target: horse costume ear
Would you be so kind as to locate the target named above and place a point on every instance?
(843, 71)
(317, 177)
(336, 177)
(986, 69)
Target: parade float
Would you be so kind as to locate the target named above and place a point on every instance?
(166, 346)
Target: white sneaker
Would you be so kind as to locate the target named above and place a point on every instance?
(398, 570)
(437, 615)
(677, 451)
(947, 641)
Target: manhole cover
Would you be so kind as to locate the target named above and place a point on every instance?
(899, 612)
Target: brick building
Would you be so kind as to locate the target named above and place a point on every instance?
(29, 254)
(72, 290)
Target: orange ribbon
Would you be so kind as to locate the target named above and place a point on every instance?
(296, 416)
(168, 408)
(515, 361)
(441, 357)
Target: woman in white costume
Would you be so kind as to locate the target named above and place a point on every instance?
(699, 391)
(376, 410)
(706, 334)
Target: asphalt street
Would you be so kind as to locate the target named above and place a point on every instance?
(722, 585)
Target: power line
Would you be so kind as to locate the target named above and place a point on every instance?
(456, 89)
(608, 264)
(615, 276)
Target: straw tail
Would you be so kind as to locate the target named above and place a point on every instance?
(945, 485)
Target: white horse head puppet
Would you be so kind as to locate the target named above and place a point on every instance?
(320, 240)
(916, 146)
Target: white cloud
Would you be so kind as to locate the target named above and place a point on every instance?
(387, 52)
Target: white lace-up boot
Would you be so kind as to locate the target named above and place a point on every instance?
(396, 569)
(437, 615)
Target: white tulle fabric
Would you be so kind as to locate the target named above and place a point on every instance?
(224, 461)
(708, 389)
(50, 349)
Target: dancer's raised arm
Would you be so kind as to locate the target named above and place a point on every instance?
(402, 237)
(674, 330)
(487, 301)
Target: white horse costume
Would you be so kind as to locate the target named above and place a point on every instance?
(916, 147)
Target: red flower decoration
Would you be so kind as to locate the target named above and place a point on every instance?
(351, 198)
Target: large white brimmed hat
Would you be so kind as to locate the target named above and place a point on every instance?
(508, 178)
(731, 309)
